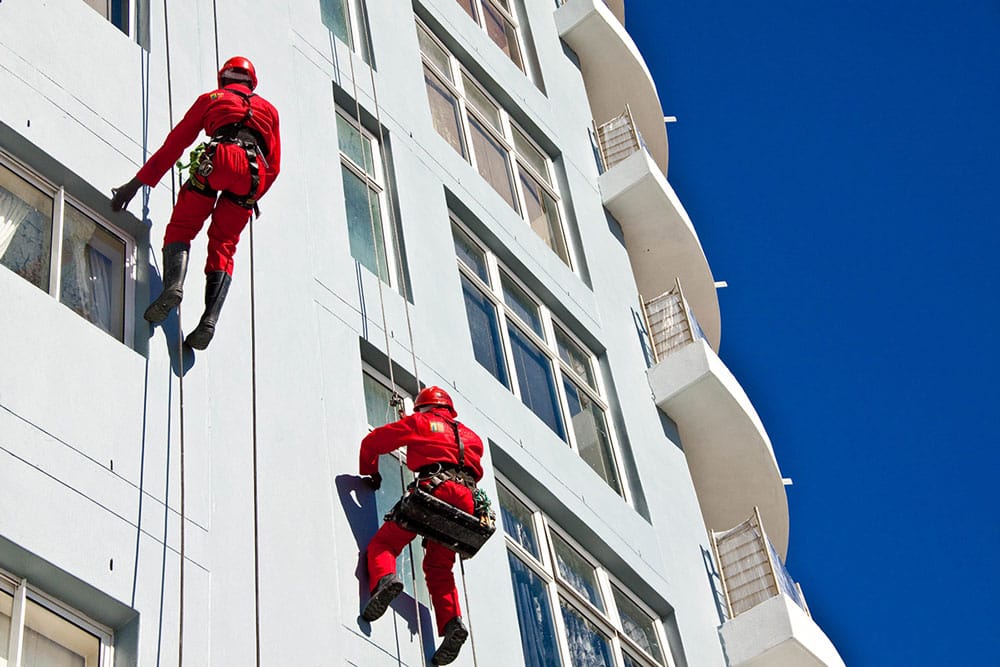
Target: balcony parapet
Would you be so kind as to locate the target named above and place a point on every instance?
(614, 71)
(728, 451)
(660, 238)
(768, 620)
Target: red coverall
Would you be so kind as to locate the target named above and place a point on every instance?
(210, 112)
(429, 438)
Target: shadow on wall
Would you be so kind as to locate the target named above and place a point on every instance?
(358, 502)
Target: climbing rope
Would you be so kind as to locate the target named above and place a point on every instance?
(180, 361)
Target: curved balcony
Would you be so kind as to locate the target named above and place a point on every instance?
(614, 71)
(660, 238)
(768, 620)
(728, 451)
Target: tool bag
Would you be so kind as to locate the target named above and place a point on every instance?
(425, 514)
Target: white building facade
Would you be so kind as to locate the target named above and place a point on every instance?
(473, 194)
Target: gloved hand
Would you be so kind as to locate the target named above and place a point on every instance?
(374, 481)
(122, 195)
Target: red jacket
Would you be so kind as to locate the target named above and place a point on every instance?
(428, 438)
(209, 112)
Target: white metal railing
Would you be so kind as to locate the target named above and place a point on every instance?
(670, 322)
(751, 570)
(618, 138)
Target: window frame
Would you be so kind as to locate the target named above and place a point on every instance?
(22, 591)
(61, 200)
(561, 370)
(455, 81)
(357, 27)
(509, 15)
(608, 622)
(378, 181)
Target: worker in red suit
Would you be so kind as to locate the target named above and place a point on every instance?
(436, 444)
(238, 164)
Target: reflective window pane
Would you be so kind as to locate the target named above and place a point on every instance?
(543, 215)
(377, 407)
(534, 616)
(6, 604)
(481, 103)
(576, 357)
(333, 13)
(577, 572)
(484, 327)
(25, 229)
(638, 625)
(492, 161)
(522, 304)
(470, 254)
(50, 640)
(445, 112)
(588, 647)
(517, 521)
(531, 155)
(469, 6)
(356, 146)
(591, 430)
(434, 53)
(364, 224)
(502, 32)
(93, 272)
(535, 381)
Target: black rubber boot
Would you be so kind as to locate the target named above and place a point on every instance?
(388, 588)
(216, 287)
(175, 262)
(455, 634)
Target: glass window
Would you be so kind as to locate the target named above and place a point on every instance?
(588, 647)
(521, 304)
(591, 431)
(487, 345)
(116, 11)
(518, 522)
(565, 575)
(52, 635)
(577, 572)
(93, 272)
(575, 357)
(470, 254)
(538, 632)
(93, 276)
(496, 18)
(480, 129)
(371, 234)
(445, 112)
(492, 161)
(346, 20)
(638, 625)
(543, 214)
(364, 224)
(535, 380)
(25, 228)
(552, 373)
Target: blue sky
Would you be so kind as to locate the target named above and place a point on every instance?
(841, 163)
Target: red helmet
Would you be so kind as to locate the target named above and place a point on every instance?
(238, 69)
(434, 396)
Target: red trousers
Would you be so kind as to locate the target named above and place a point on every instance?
(390, 540)
(231, 173)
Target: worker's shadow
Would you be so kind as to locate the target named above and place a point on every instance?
(182, 357)
(361, 507)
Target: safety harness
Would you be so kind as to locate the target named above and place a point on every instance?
(420, 511)
(240, 134)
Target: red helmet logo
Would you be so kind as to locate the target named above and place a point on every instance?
(238, 69)
(434, 396)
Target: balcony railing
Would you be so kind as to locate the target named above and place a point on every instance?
(617, 139)
(751, 570)
(670, 322)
